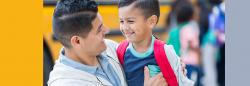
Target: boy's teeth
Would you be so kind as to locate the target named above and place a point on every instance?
(129, 33)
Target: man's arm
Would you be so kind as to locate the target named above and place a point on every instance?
(177, 66)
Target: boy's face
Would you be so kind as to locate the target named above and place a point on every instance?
(134, 26)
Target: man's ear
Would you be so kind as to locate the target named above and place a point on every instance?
(152, 21)
(75, 41)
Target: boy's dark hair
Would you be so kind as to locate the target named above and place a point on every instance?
(73, 17)
(148, 7)
(184, 11)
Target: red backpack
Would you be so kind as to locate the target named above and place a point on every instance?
(160, 57)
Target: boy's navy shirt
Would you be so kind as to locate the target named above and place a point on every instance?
(135, 62)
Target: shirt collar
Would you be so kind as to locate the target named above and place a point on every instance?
(69, 62)
(145, 54)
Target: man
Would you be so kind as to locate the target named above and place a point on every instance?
(86, 58)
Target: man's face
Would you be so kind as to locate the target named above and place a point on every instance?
(94, 42)
(133, 24)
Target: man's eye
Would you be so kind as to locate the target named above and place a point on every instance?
(121, 21)
(130, 21)
(99, 30)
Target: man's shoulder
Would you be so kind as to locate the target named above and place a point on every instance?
(61, 75)
(110, 43)
(111, 49)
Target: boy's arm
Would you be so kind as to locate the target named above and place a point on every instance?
(175, 63)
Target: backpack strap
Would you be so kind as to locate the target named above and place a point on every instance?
(121, 51)
(162, 61)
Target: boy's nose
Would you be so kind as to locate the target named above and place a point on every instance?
(124, 27)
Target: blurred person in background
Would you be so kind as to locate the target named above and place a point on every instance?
(170, 21)
(185, 37)
(217, 30)
(211, 23)
(208, 49)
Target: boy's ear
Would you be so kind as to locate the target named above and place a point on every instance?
(152, 20)
(75, 41)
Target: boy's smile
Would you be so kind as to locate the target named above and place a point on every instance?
(128, 33)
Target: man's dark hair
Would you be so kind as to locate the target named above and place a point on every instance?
(184, 11)
(73, 18)
(148, 7)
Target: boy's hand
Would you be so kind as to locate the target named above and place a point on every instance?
(157, 80)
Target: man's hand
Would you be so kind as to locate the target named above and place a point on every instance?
(157, 80)
(183, 67)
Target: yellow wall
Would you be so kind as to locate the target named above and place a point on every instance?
(21, 43)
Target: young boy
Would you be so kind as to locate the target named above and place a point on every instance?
(137, 19)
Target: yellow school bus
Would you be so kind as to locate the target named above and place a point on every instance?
(109, 11)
